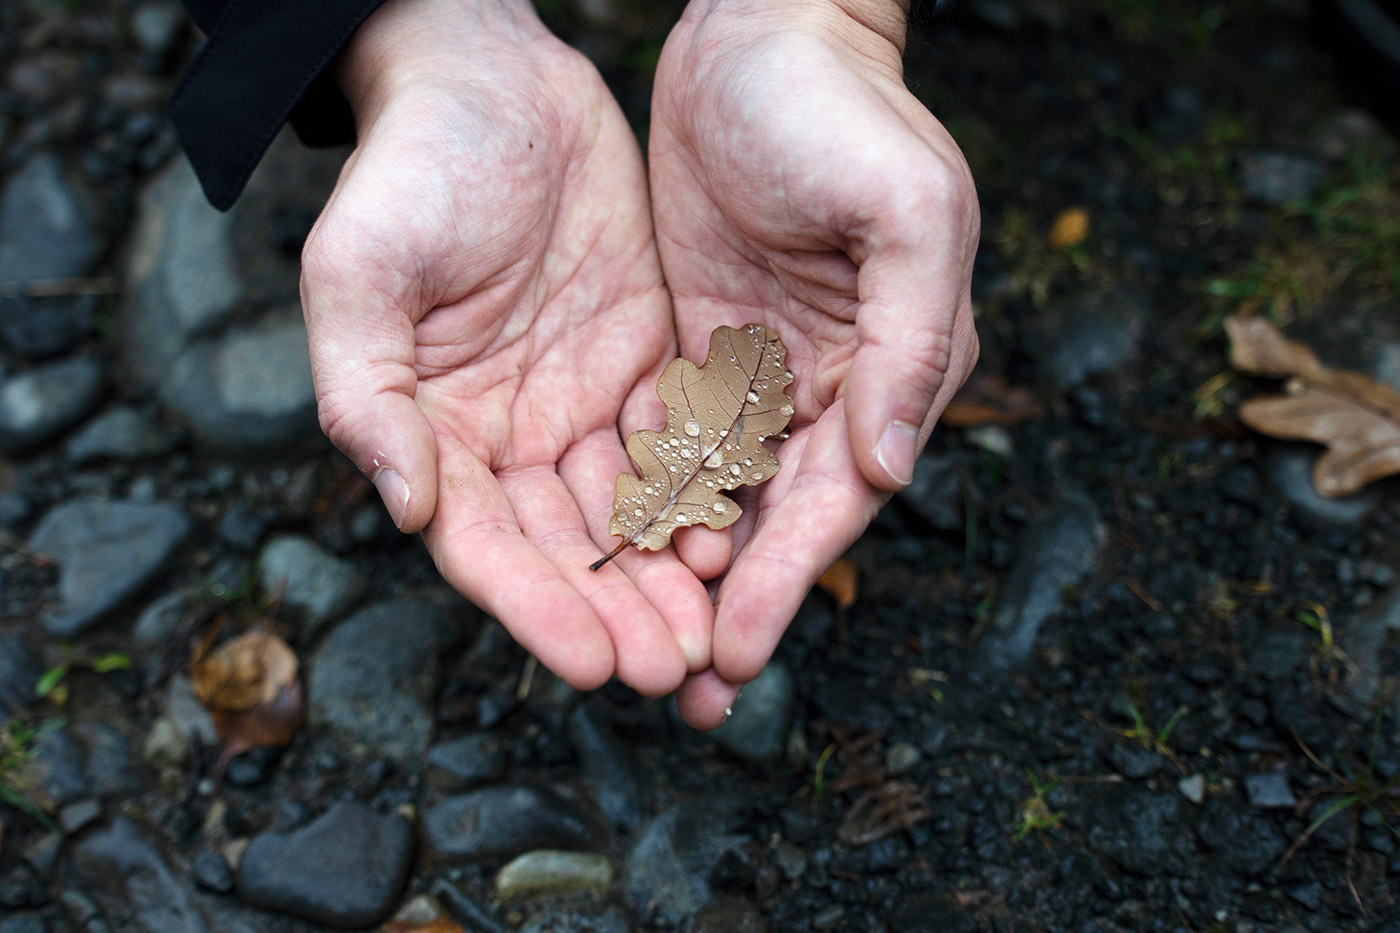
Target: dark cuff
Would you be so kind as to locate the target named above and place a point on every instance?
(266, 61)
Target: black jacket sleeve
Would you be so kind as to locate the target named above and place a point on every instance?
(265, 62)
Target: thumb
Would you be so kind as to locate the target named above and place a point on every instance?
(915, 346)
(362, 353)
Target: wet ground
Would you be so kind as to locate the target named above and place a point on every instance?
(1113, 666)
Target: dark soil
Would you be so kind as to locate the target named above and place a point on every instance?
(1224, 632)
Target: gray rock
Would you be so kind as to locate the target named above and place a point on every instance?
(757, 729)
(316, 583)
(503, 821)
(78, 815)
(109, 767)
(117, 434)
(211, 871)
(156, 26)
(1136, 828)
(1241, 842)
(1269, 791)
(23, 923)
(1364, 637)
(935, 494)
(59, 767)
(48, 227)
(38, 328)
(20, 670)
(41, 403)
(1058, 551)
(131, 881)
(902, 757)
(181, 273)
(546, 873)
(607, 767)
(1275, 177)
(1290, 472)
(374, 678)
(671, 864)
(579, 920)
(106, 551)
(1193, 788)
(465, 762)
(1097, 340)
(346, 868)
(249, 390)
(156, 624)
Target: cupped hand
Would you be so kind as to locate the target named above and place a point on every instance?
(487, 319)
(797, 183)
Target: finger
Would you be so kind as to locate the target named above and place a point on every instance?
(648, 657)
(362, 353)
(589, 470)
(705, 551)
(914, 333)
(801, 531)
(706, 699)
(480, 550)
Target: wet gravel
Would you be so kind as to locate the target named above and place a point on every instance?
(1113, 668)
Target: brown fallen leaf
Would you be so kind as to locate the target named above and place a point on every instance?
(1357, 417)
(840, 582)
(986, 399)
(250, 687)
(1071, 228)
(718, 416)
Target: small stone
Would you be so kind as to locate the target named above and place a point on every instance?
(465, 762)
(1133, 761)
(23, 923)
(757, 729)
(901, 757)
(40, 328)
(20, 670)
(158, 622)
(545, 873)
(39, 404)
(106, 552)
(1276, 178)
(1290, 471)
(1193, 788)
(48, 227)
(241, 527)
(993, 438)
(935, 493)
(59, 767)
(728, 915)
(503, 821)
(77, 815)
(211, 872)
(121, 434)
(1269, 791)
(675, 856)
(124, 871)
(1136, 828)
(317, 583)
(1309, 895)
(156, 26)
(346, 868)
(790, 860)
(1100, 338)
(165, 746)
(608, 767)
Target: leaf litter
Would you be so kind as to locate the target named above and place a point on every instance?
(250, 686)
(718, 416)
(1355, 416)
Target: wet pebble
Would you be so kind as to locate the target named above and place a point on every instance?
(1275, 177)
(121, 434)
(128, 876)
(241, 527)
(1133, 761)
(78, 815)
(758, 727)
(374, 678)
(249, 390)
(39, 328)
(23, 923)
(318, 584)
(106, 551)
(502, 821)
(156, 26)
(1290, 470)
(41, 403)
(1269, 791)
(935, 493)
(158, 622)
(1055, 553)
(1240, 841)
(608, 768)
(578, 920)
(346, 868)
(1193, 788)
(59, 767)
(1097, 339)
(1137, 828)
(547, 873)
(211, 872)
(675, 856)
(20, 670)
(48, 226)
(465, 762)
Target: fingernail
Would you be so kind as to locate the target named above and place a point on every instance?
(897, 449)
(394, 491)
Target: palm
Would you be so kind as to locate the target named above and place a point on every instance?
(773, 204)
(526, 321)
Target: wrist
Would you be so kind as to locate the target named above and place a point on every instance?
(875, 27)
(423, 43)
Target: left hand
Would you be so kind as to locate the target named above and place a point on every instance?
(798, 184)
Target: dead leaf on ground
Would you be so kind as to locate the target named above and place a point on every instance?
(1071, 228)
(250, 687)
(840, 581)
(718, 416)
(1357, 417)
(988, 399)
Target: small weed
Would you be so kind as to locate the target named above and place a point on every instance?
(17, 741)
(819, 773)
(51, 684)
(1036, 814)
(1156, 740)
(1328, 662)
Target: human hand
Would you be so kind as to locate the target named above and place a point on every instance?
(798, 184)
(485, 309)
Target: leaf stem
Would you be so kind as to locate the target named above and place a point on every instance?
(622, 546)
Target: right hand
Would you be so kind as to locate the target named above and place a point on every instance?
(487, 320)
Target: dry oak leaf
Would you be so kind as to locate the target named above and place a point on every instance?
(249, 685)
(718, 416)
(1357, 417)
